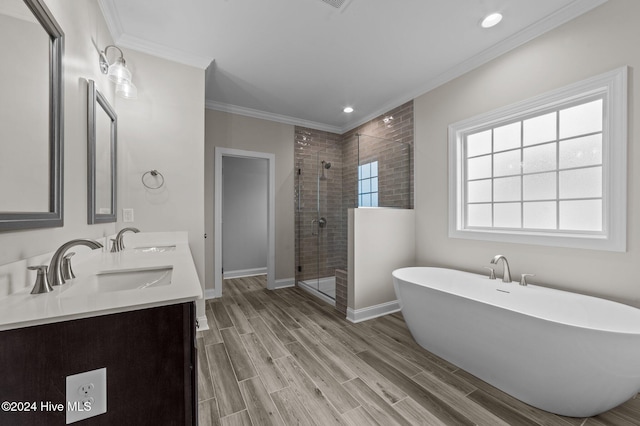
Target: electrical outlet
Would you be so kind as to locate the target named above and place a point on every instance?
(86, 389)
(127, 215)
(86, 395)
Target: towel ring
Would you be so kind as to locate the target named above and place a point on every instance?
(153, 173)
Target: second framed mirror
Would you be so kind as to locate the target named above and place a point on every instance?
(102, 136)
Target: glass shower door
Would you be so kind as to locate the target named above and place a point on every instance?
(325, 279)
(315, 226)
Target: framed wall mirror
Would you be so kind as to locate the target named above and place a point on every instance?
(102, 137)
(31, 116)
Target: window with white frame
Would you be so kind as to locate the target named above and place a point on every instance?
(551, 170)
(368, 184)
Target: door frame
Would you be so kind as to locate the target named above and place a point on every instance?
(217, 213)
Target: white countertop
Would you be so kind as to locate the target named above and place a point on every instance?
(23, 309)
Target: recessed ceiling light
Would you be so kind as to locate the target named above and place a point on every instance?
(348, 110)
(491, 20)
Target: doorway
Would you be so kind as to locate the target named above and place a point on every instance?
(236, 158)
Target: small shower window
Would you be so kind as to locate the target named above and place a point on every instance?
(368, 184)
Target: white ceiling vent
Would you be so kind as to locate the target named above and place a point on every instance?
(338, 4)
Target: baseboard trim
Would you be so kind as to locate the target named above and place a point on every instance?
(209, 293)
(284, 283)
(244, 273)
(370, 312)
(202, 323)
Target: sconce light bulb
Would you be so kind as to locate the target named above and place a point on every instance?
(127, 90)
(118, 72)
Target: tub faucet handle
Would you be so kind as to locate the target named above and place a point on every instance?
(492, 272)
(523, 278)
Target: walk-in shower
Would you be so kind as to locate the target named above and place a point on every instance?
(335, 173)
(320, 227)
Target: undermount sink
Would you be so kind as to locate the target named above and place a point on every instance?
(154, 249)
(123, 279)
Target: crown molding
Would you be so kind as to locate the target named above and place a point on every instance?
(264, 115)
(161, 51)
(377, 113)
(111, 17)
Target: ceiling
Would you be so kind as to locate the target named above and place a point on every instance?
(302, 61)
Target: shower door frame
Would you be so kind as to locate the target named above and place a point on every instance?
(217, 215)
(303, 226)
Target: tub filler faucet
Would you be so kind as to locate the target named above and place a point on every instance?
(506, 275)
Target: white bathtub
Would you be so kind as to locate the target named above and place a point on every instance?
(562, 352)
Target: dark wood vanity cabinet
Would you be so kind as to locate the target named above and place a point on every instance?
(149, 354)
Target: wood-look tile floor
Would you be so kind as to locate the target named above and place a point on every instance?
(285, 358)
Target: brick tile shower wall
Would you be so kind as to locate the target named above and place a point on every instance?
(340, 191)
(311, 147)
(391, 144)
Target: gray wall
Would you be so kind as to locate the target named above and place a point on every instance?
(244, 214)
(252, 134)
(599, 41)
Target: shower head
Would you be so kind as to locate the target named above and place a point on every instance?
(325, 165)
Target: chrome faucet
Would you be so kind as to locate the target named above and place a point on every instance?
(506, 274)
(42, 283)
(54, 274)
(118, 244)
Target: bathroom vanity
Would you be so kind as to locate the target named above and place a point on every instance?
(131, 312)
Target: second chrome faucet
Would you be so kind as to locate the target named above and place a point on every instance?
(506, 274)
(118, 243)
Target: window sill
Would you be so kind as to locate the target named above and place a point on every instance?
(590, 242)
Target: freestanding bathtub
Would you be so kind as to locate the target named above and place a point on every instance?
(562, 352)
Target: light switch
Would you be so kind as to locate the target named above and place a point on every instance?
(127, 215)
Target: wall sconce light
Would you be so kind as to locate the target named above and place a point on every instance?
(118, 73)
